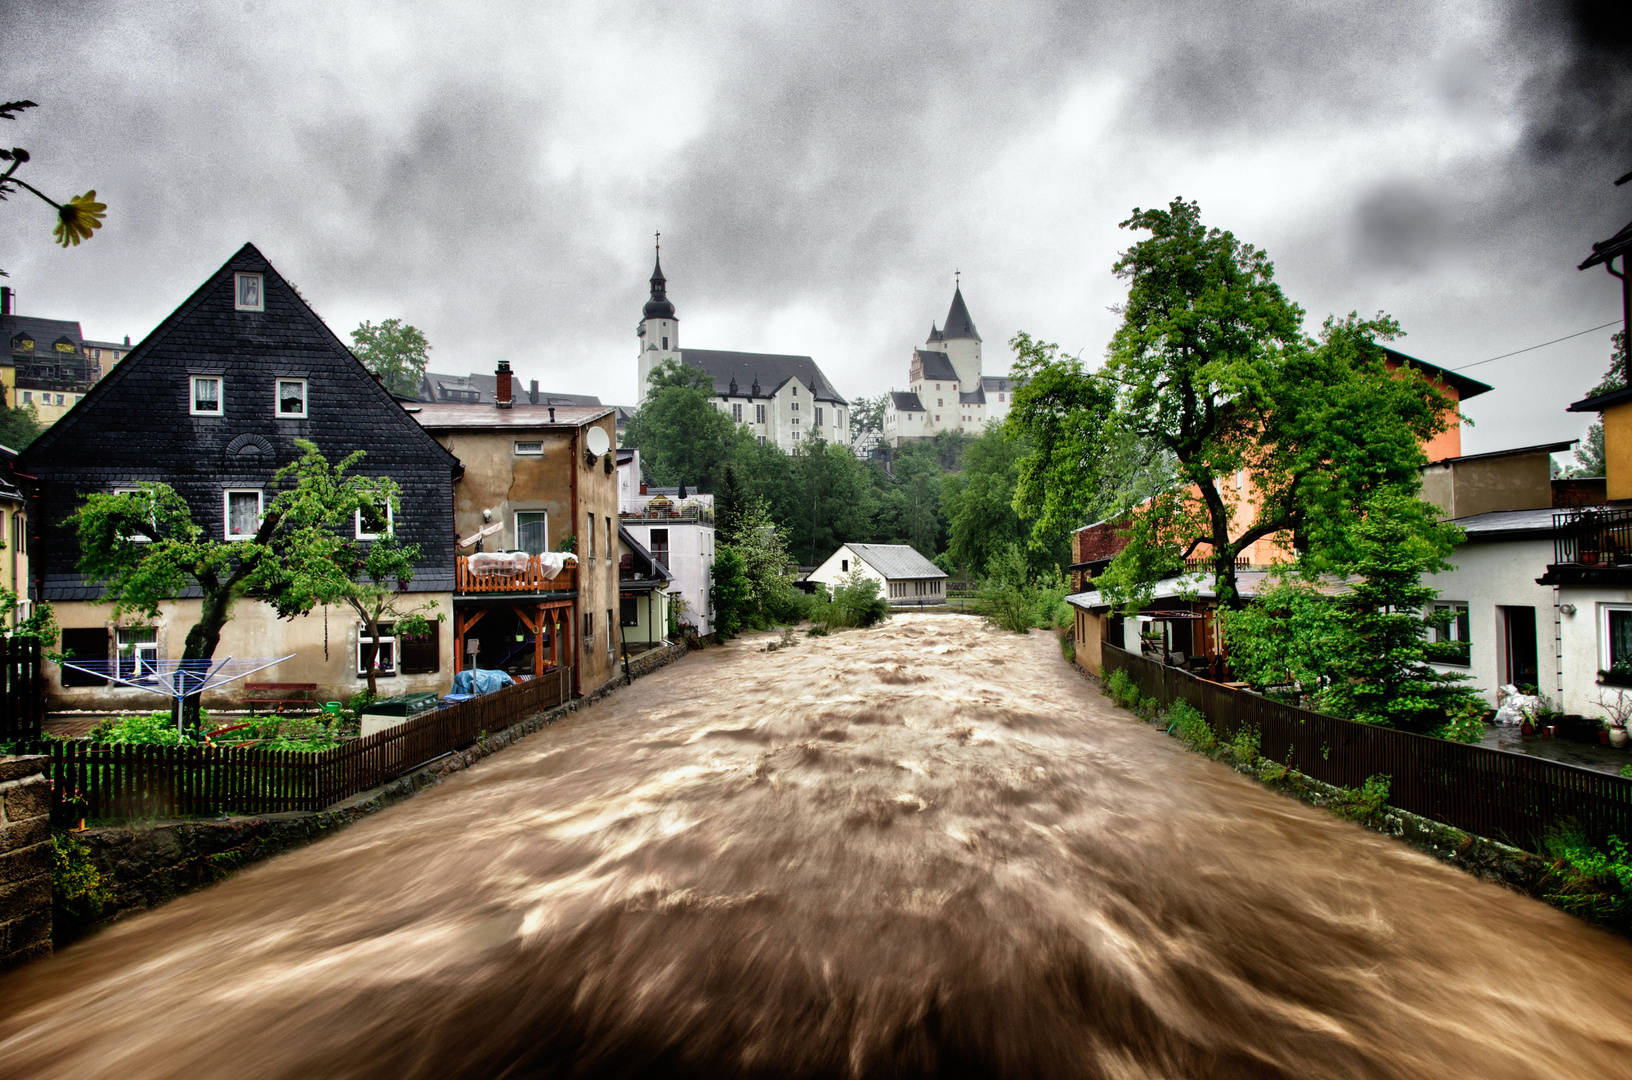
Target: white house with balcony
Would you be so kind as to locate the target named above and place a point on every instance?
(678, 533)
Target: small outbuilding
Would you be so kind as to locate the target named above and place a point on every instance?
(904, 575)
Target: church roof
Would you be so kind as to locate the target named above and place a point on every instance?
(935, 365)
(905, 402)
(958, 322)
(770, 370)
(659, 306)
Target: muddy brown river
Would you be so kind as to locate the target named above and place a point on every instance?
(924, 850)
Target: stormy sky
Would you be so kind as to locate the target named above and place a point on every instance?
(494, 172)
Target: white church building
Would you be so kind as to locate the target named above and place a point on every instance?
(785, 400)
(948, 391)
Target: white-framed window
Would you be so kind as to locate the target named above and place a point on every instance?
(795, 421)
(610, 623)
(759, 416)
(241, 512)
(28, 397)
(589, 629)
(610, 553)
(762, 440)
(59, 399)
(795, 434)
(940, 403)
(369, 524)
(152, 517)
(841, 418)
(290, 399)
(590, 532)
(1615, 637)
(736, 412)
(530, 449)
(207, 397)
(532, 531)
(248, 292)
(1453, 636)
(794, 405)
(138, 651)
(382, 651)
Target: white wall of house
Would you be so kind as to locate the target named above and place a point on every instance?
(691, 561)
(1490, 575)
(841, 563)
(1585, 637)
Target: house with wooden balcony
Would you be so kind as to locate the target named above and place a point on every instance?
(536, 584)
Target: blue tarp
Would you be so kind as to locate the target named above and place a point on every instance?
(480, 681)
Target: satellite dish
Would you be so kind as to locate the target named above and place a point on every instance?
(597, 441)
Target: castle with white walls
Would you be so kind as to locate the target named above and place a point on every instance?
(785, 400)
(948, 391)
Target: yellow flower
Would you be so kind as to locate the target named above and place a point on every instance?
(78, 217)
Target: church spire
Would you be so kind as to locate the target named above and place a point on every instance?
(659, 306)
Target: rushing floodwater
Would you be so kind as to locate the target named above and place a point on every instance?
(925, 850)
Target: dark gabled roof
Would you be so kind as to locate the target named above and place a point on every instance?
(1508, 524)
(448, 415)
(1605, 250)
(905, 402)
(896, 561)
(1602, 401)
(976, 396)
(770, 370)
(958, 322)
(994, 383)
(1465, 387)
(935, 365)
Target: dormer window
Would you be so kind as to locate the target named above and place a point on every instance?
(248, 292)
(291, 395)
(206, 400)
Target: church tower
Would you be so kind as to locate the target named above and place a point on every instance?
(659, 330)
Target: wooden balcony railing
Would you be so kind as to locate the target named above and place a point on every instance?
(490, 576)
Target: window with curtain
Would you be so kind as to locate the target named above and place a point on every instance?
(533, 531)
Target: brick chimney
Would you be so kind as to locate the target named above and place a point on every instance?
(503, 397)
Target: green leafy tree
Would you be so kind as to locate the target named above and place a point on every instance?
(854, 602)
(396, 352)
(836, 500)
(1366, 645)
(19, 427)
(867, 421)
(144, 548)
(1211, 374)
(980, 508)
(77, 219)
(731, 593)
(680, 434)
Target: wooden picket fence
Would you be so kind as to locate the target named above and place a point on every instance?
(1495, 793)
(22, 689)
(107, 782)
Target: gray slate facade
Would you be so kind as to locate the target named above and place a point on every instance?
(135, 426)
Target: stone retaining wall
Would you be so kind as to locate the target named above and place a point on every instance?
(25, 861)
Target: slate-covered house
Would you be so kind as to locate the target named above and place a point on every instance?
(211, 403)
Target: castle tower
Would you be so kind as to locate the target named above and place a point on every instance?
(659, 330)
(959, 339)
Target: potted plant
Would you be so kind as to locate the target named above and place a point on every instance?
(1617, 714)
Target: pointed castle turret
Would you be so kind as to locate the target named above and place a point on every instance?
(948, 390)
(960, 341)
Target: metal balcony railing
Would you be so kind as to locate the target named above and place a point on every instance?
(1594, 537)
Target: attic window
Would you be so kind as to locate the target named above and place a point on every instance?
(370, 524)
(291, 399)
(535, 449)
(248, 295)
(206, 396)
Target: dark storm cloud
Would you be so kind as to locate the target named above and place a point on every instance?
(494, 174)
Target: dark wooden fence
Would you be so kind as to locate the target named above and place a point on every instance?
(22, 689)
(104, 781)
(1494, 793)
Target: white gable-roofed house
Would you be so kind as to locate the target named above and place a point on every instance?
(903, 574)
(782, 399)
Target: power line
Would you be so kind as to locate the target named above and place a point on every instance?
(1533, 348)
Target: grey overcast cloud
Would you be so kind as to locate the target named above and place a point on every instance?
(493, 173)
